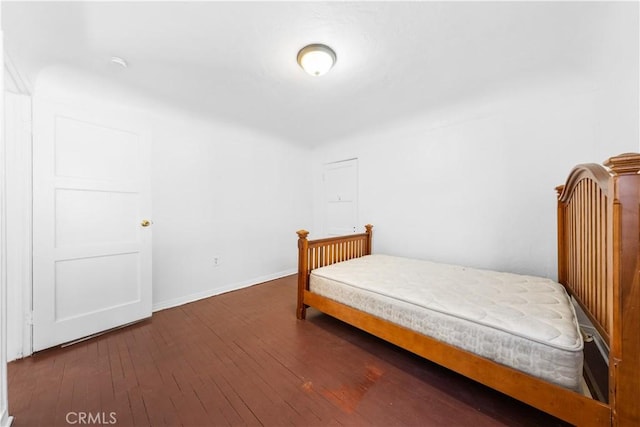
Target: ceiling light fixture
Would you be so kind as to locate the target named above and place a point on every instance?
(316, 59)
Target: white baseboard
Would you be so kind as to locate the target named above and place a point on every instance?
(163, 305)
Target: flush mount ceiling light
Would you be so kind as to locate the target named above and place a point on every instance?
(316, 59)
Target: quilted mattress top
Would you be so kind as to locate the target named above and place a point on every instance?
(532, 307)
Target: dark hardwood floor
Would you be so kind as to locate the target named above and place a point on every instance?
(242, 358)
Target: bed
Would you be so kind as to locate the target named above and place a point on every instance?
(521, 336)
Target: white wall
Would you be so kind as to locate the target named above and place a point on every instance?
(227, 193)
(473, 183)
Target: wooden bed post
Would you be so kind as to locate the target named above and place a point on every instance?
(562, 256)
(369, 232)
(625, 343)
(303, 272)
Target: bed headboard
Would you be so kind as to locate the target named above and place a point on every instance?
(598, 254)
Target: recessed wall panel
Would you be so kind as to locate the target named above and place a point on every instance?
(89, 285)
(95, 217)
(94, 152)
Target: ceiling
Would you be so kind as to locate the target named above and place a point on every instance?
(236, 61)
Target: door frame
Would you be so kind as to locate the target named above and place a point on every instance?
(19, 188)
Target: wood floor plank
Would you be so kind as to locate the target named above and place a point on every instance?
(242, 358)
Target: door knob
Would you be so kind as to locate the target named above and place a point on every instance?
(146, 223)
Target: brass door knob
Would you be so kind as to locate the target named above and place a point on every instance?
(145, 223)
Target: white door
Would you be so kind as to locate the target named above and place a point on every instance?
(341, 197)
(91, 253)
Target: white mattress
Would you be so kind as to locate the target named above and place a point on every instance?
(524, 322)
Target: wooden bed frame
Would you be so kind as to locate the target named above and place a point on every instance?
(598, 263)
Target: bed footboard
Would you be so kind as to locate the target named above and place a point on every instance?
(319, 253)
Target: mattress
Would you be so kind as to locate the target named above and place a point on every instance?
(525, 322)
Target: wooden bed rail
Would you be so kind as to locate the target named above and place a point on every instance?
(318, 253)
(598, 263)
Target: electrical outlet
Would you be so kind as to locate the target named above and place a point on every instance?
(216, 261)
